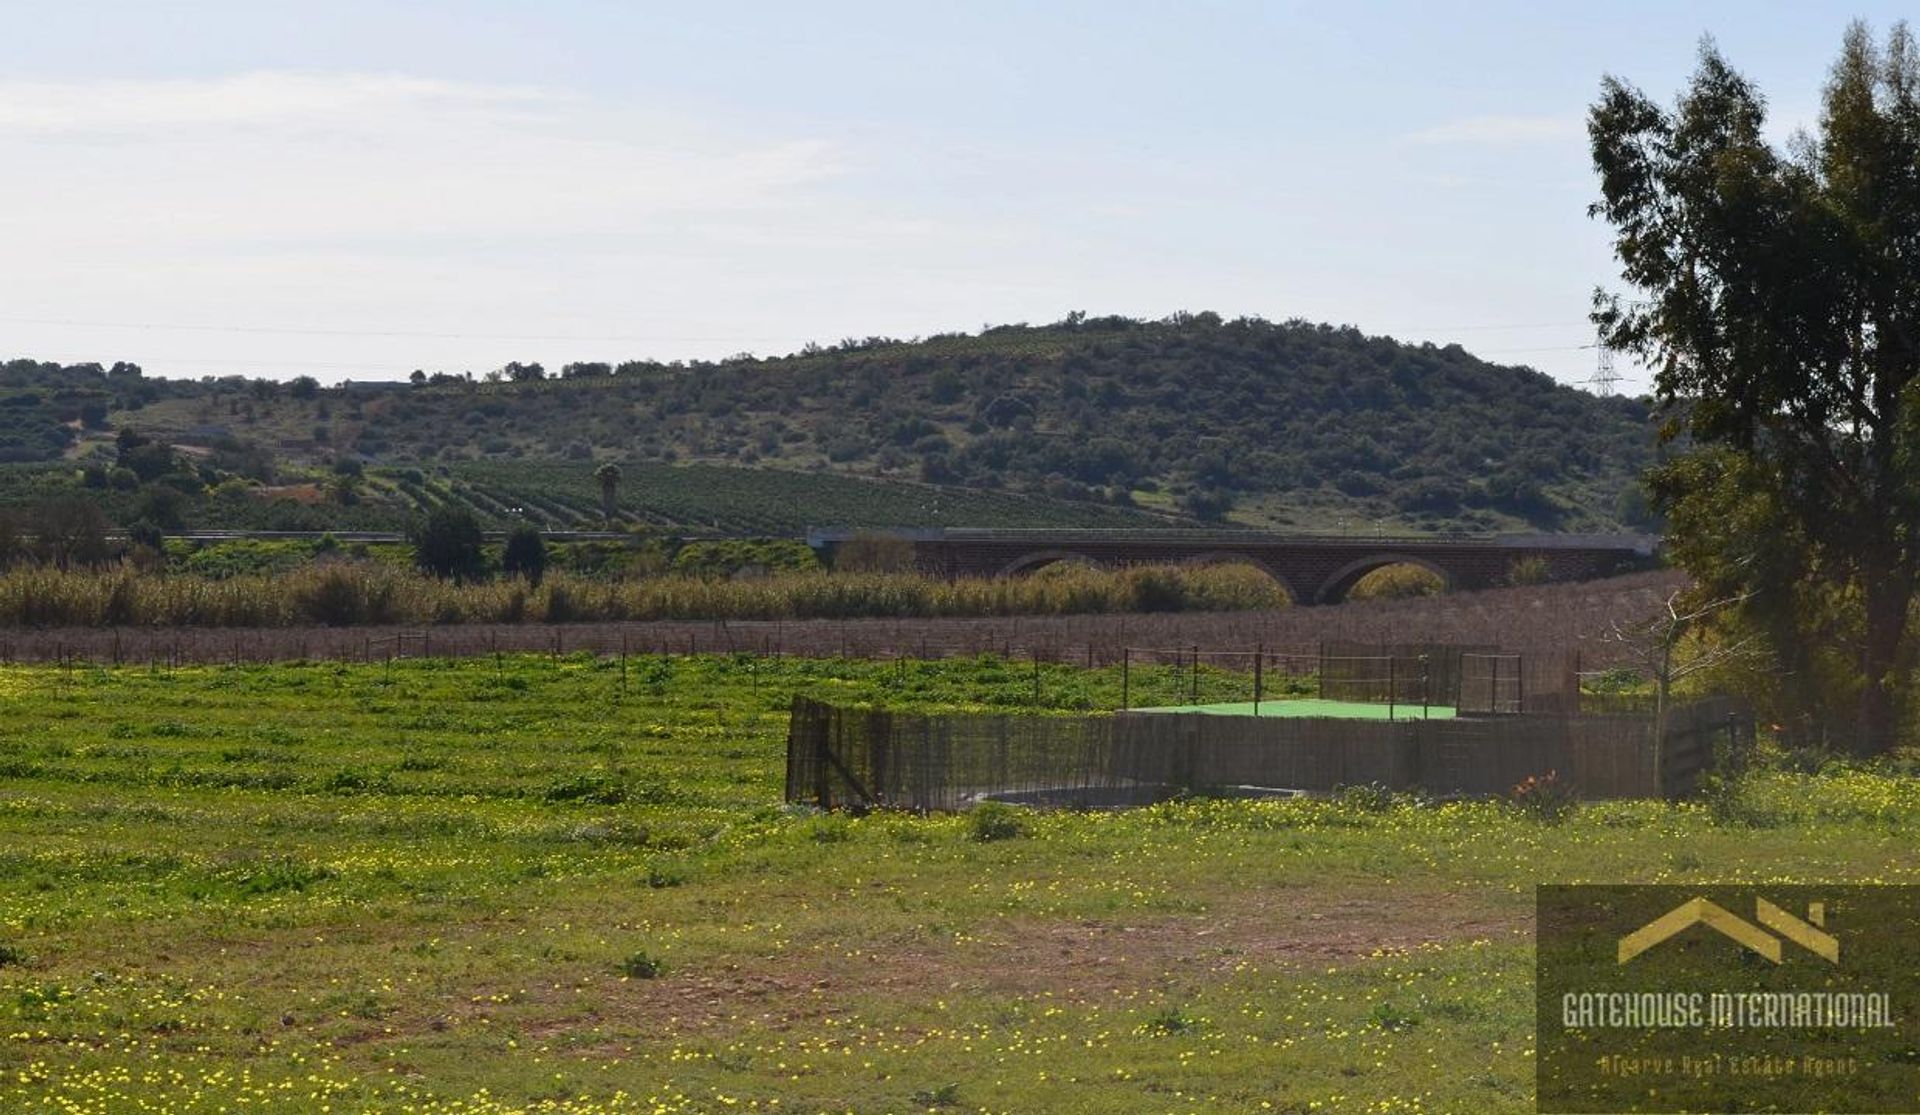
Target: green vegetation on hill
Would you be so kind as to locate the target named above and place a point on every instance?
(1087, 422)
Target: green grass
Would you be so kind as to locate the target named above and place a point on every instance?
(1314, 706)
(479, 887)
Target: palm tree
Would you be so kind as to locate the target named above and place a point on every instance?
(609, 477)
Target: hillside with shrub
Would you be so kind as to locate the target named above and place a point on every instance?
(1088, 421)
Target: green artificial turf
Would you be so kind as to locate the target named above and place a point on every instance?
(1314, 706)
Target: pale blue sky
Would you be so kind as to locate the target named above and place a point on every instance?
(357, 189)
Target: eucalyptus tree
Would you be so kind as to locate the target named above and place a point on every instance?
(1777, 300)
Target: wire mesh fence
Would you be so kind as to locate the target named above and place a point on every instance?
(867, 758)
(1405, 676)
(1491, 682)
(1403, 673)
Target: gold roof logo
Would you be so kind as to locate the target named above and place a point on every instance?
(1698, 911)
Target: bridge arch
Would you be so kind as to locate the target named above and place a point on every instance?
(1040, 559)
(1336, 587)
(1233, 557)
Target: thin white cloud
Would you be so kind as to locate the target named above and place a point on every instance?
(1503, 130)
(263, 98)
(383, 164)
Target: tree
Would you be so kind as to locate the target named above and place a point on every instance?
(303, 387)
(1655, 645)
(525, 555)
(1782, 314)
(609, 477)
(448, 544)
(70, 531)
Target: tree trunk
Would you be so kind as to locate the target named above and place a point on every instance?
(1889, 592)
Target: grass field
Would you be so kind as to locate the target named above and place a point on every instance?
(1314, 706)
(486, 887)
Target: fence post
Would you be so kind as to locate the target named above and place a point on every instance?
(1126, 679)
(1426, 686)
(1259, 656)
(823, 786)
(1392, 683)
(1493, 684)
(1194, 687)
(1519, 684)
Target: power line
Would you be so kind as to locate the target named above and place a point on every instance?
(1489, 328)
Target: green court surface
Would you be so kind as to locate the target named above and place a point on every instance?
(1313, 706)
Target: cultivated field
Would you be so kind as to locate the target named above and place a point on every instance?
(502, 885)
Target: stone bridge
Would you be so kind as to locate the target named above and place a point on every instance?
(1314, 569)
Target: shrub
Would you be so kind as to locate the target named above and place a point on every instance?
(1369, 797)
(642, 965)
(448, 544)
(1154, 590)
(661, 876)
(281, 875)
(1401, 581)
(1544, 798)
(11, 956)
(946, 1095)
(525, 555)
(334, 597)
(1529, 571)
(1804, 760)
(1170, 1021)
(993, 820)
(593, 789)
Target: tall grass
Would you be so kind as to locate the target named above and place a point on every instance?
(367, 593)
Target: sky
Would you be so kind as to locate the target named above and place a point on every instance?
(354, 190)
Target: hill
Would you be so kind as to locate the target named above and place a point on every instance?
(1108, 421)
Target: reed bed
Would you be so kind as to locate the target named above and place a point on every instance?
(371, 594)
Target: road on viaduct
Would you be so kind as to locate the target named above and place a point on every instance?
(1314, 569)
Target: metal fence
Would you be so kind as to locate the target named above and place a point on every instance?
(839, 757)
(1394, 673)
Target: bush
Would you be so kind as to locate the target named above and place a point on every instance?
(642, 965)
(1368, 797)
(661, 876)
(1804, 760)
(448, 544)
(1155, 590)
(1544, 798)
(593, 789)
(993, 820)
(1397, 582)
(11, 956)
(1529, 571)
(525, 555)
